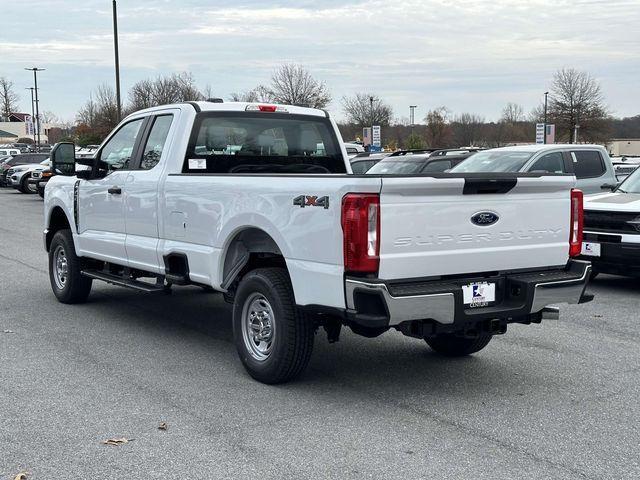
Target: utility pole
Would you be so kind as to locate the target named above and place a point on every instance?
(412, 116)
(576, 127)
(33, 116)
(371, 112)
(546, 94)
(35, 71)
(117, 58)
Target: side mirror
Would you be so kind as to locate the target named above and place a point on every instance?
(609, 186)
(63, 159)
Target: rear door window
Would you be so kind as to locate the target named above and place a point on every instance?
(551, 162)
(437, 166)
(155, 143)
(587, 163)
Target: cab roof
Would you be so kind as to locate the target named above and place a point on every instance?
(221, 106)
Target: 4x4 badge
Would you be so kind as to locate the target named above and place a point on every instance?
(311, 201)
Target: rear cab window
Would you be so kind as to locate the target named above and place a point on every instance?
(242, 142)
(587, 163)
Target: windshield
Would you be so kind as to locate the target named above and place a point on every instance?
(263, 143)
(397, 167)
(631, 184)
(494, 161)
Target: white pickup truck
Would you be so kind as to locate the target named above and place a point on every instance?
(259, 202)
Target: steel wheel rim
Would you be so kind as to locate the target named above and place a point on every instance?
(258, 326)
(32, 187)
(60, 267)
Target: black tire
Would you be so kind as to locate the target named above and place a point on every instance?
(41, 192)
(24, 185)
(593, 275)
(75, 288)
(291, 333)
(451, 345)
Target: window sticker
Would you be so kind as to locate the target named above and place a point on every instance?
(197, 164)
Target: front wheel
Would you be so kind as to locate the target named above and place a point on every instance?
(67, 283)
(451, 345)
(25, 186)
(273, 337)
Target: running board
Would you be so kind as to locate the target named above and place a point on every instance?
(124, 282)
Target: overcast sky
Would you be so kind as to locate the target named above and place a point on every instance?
(471, 56)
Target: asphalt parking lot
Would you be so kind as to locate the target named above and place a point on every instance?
(557, 400)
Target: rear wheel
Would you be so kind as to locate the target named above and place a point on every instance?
(451, 345)
(67, 283)
(273, 337)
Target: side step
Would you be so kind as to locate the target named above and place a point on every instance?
(124, 282)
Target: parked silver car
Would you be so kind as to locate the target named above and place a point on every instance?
(18, 176)
(589, 163)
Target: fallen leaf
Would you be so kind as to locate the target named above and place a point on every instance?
(117, 441)
(598, 315)
(163, 426)
(20, 476)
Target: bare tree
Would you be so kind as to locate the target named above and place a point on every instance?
(258, 94)
(175, 88)
(49, 117)
(512, 113)
(8, 98)
(100, 113)
(293, 84)
(366, 109)
(576, 99)
(467, 129)
(439, 132)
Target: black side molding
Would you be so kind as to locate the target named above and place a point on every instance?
(478, 186)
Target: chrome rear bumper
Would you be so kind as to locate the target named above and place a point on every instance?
(521, 295)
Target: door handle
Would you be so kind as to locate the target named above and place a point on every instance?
(115, 191)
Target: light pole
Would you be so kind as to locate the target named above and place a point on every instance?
(35, 71)
(117, 57)
(32, 114)
(412, 116)
(546, 94)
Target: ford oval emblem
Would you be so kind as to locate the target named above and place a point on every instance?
(484, 219)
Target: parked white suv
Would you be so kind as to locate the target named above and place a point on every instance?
(589, 163)
(258, 202)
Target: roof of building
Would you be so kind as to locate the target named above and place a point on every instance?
(4, 134)
(20, 117)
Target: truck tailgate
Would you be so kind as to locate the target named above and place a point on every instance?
(471, 224)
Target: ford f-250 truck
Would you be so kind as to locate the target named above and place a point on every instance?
(259, 202)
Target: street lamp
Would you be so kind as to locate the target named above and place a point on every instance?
(117, 58)
(32, 114)
(35, 71)
(546, 94)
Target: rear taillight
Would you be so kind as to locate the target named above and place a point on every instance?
(361, 231)
(577, 223)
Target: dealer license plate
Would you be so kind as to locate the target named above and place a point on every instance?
(479, 294)
(590, 249)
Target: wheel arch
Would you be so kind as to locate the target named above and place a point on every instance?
(248, 247)
(57, 220)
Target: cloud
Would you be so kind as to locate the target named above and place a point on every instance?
(471, 55)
